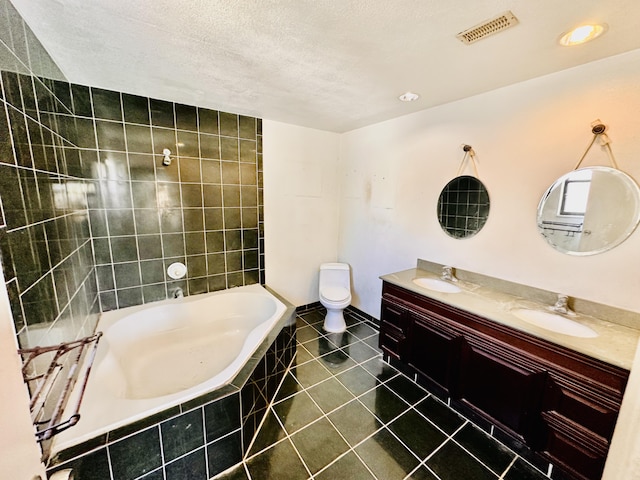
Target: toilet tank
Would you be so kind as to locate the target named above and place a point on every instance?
(335, 274)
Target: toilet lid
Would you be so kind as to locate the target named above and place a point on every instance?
(335, 294)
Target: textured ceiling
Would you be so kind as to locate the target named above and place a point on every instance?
(329, 64)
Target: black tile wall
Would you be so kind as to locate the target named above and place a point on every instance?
(82, 185)
(204, 209)
(182, 434)
(45, 240)
(261, 387)
(90, 219)
(20, 50)
(136, 455)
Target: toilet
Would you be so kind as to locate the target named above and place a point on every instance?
(335, 294)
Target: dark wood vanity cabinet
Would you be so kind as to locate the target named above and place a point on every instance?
(563, 405)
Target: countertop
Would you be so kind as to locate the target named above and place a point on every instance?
(615, 344)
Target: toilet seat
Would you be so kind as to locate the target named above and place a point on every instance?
(335, 294)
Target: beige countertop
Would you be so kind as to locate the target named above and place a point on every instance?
(615, 343)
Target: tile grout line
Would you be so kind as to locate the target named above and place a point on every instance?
(450, 437)
(454, 440)
(269, 408)
(411, 406)
(513, 461)
(385, 425)
(286, 438)
(325, 415)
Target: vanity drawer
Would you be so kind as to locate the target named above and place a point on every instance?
(595, 410)
(391, 340)
(574, 449)
(394, 314)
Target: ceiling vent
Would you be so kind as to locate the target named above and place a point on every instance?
(484, 29)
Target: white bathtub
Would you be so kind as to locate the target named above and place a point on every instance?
(156, 356)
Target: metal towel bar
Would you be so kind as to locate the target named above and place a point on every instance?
(46, 383)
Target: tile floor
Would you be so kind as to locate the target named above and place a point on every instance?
(343, 413)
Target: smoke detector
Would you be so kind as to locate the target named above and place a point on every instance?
(489, 27)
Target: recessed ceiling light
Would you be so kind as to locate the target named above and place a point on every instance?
(582, 34)
(409, 97)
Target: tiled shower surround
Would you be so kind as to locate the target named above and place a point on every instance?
(20, 50)
(46, 242)
(92, 213)
(195, 440)
(90, 219)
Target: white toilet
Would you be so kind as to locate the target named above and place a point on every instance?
(335, 294)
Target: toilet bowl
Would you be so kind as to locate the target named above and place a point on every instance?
(335, 294)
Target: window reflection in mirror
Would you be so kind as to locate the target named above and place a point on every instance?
(575, 194)
(463, 207)
(589, 211)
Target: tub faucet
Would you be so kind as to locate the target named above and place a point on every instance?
(561, 305)
(178, 293)
(447, 274)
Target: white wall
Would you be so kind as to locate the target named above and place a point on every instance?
(301, 197)
(525, 136)
(19, 452)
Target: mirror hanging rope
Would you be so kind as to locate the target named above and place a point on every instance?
(469, 154)
(598, 129)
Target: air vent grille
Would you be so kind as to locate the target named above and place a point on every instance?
(484, 29)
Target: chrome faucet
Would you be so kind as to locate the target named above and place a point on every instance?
(561, 305)
(178, 293)
(447, 274)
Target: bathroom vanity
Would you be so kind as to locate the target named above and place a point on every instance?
(557, 393)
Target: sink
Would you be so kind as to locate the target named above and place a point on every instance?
(436, 285)
(554, 322)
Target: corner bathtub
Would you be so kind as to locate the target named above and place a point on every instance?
(156, 356)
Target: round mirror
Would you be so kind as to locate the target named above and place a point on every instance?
(463, 207)
(590, 210)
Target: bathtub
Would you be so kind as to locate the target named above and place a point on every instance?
(157, 356)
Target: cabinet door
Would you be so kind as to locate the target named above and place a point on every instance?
(434, 351)
(498, 384)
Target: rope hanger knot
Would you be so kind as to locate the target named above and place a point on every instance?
(598, 129)
(469, 154)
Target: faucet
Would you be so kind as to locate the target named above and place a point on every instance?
(447, 274)
(561, 305)
(178, 293)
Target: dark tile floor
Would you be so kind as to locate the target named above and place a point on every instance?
(343, 413)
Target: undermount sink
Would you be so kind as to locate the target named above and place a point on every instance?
(436, 285)
(554, 322)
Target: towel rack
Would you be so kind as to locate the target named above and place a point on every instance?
(44, 386)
